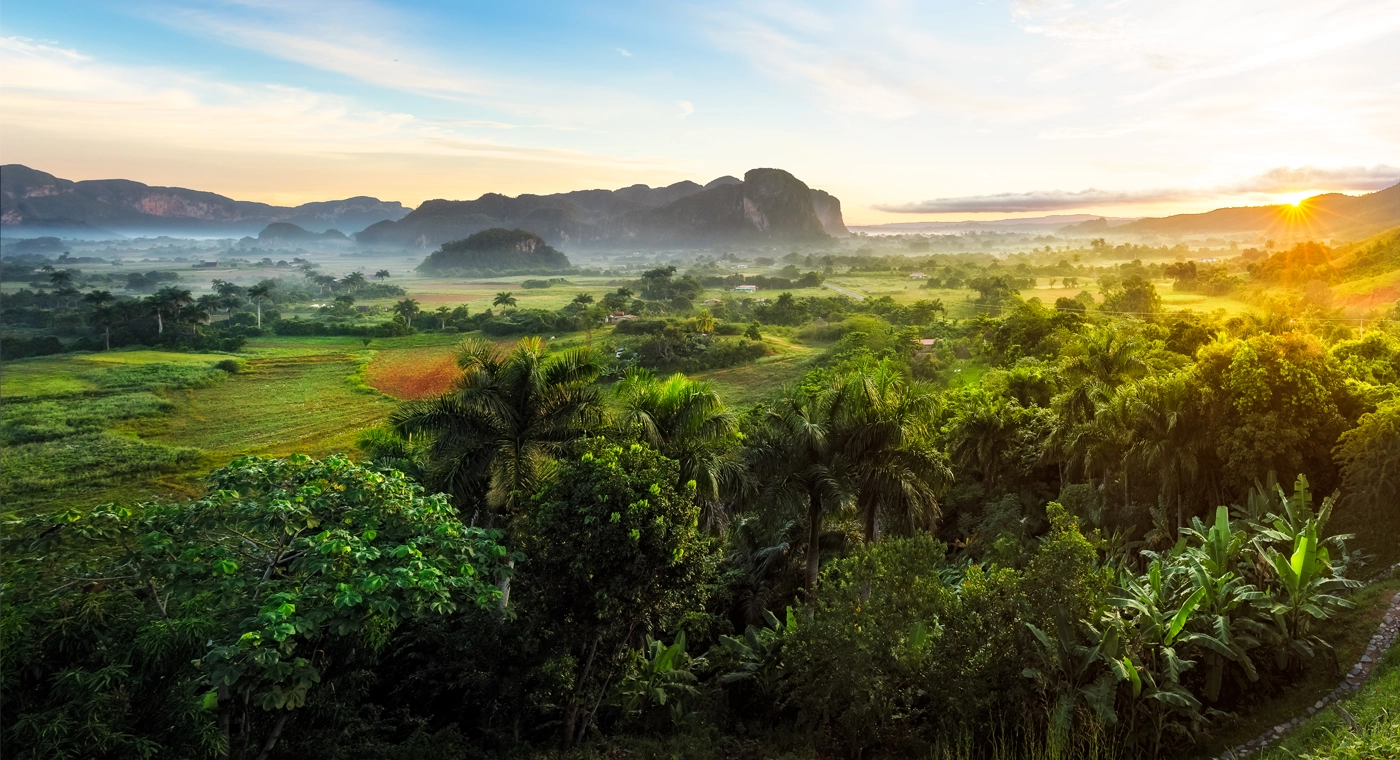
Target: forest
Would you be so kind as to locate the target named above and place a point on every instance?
(971, 522)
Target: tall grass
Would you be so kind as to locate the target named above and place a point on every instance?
(51, 419)
(88, 459)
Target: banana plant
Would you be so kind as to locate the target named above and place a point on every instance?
(1153, 628)
(758, 655)
(1302, 593)
(1074, 667)
(1226, 625)
(660, 676)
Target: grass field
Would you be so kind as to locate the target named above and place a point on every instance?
(280, 406)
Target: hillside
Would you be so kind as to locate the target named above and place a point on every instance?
(1332, 215)
(496, 250)
(286, 233)
(768, 204)
(34, 203)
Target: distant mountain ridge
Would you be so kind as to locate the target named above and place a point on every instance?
(36, 202)
(766, 205)
(1331, 215)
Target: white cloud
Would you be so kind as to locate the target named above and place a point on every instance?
(59, 92)
(687, 108)
(356, 38)
(870, 61)
(624, 52)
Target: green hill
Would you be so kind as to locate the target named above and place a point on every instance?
(497, 251)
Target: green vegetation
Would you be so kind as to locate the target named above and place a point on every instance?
(1034, 511)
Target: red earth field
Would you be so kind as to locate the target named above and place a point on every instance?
(413, 373)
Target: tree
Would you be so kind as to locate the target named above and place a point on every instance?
(686, 421)
(503, 299)
(509, 415)
(257, 293)
(612, 551)
(583, 299)
(353, 281)
(801, 459)
(705, 322)
(1168, 434)
(104, 316)
(167, 302)
(899, 474)
(99, 298)
(381, 275)
(443, 312)
(238, 607)
(408, 309)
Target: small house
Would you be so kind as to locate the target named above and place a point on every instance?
(745, 288)
(619, 317)
(918, 276)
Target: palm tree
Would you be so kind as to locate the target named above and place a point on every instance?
(257, 293)
(583, 299)
(98, 298)
(193, 314)
(408, 309)
(686, 421)
(353, 281)
(503, 298)
(509, 415)
(381, 275)
(443, 312)
(803, 462)
(888, 437)
(705, 322)
(104, 315)
(1168, 437)
(981, 432)
(168, 300)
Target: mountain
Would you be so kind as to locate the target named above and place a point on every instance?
(766, 205)
(34, 202)
(286, 233)
(1051, 223)
(496, 251)
(1332, 215)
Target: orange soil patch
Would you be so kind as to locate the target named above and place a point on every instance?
(413, 373)
(1378, 297)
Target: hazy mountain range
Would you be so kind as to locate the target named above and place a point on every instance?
(34, 203)
(766, 205)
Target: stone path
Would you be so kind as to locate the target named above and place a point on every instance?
(1379, 644)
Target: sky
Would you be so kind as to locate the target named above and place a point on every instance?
(905, 111)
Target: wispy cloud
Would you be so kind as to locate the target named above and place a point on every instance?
(687, 108)
(624, 52)
(59, 91)
(356, 38)
(871, 60)
(1275, 181)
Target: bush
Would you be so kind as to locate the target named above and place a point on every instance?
(20, 348)
(232, 366)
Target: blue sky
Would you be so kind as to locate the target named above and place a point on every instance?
(905, 111)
